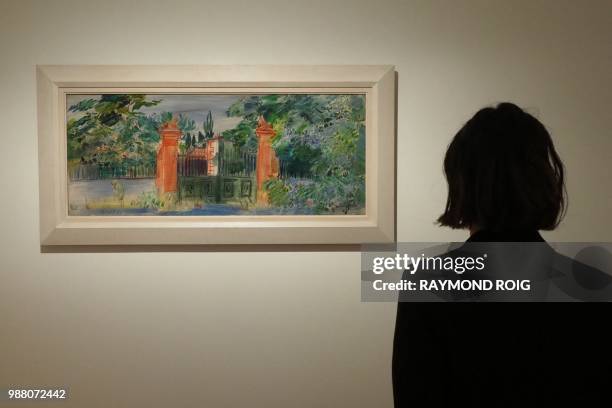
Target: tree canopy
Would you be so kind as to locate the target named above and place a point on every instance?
(111, 129)
(321, 140)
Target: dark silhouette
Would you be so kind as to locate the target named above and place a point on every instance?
(506, 182)
(503, 173)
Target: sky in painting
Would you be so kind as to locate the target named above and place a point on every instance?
(194, 106)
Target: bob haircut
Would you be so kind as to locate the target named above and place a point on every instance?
(503, 174)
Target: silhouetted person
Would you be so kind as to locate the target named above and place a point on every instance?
(505, 183)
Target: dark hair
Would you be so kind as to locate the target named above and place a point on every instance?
(503, 173)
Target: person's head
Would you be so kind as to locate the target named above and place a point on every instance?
(503, 173)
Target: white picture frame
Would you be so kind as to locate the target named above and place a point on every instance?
(377, 225)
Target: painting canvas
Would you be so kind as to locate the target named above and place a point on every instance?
(215, 154)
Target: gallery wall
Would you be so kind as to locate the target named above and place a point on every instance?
(275, 329)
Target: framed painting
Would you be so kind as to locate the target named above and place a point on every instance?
(216, 155)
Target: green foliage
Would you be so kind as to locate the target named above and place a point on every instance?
(165, 117)
(208, 126)
(278, 193)
(344, 155)
(185, 123)
(319, 137)
(187, 140)
(111, 130)
(324, 195)
(241, 134)
(148, 199)
(299, 156)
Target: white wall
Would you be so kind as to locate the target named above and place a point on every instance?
(275, 329)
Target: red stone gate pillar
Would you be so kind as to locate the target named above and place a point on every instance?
(267, 162)
(166, 177)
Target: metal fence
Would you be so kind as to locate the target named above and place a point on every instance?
(243, 162)
(189, 166)
(101, 171)
(236, 162)
(229, 162)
